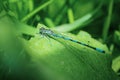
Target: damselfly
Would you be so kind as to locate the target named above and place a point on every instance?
(48, 32)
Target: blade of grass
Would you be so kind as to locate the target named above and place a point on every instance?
(31, 5)
(108, 20)
(74, 25)
(70, 15)
(36, 10)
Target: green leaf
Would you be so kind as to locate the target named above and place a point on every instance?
(70, 61)
(116, 64)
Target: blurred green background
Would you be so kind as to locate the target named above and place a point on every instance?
(25, 55)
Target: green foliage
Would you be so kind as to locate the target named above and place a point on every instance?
(25, 55)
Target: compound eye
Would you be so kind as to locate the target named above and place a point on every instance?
(42, 28)
(40, 32)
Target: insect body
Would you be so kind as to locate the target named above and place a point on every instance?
(48, 32)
